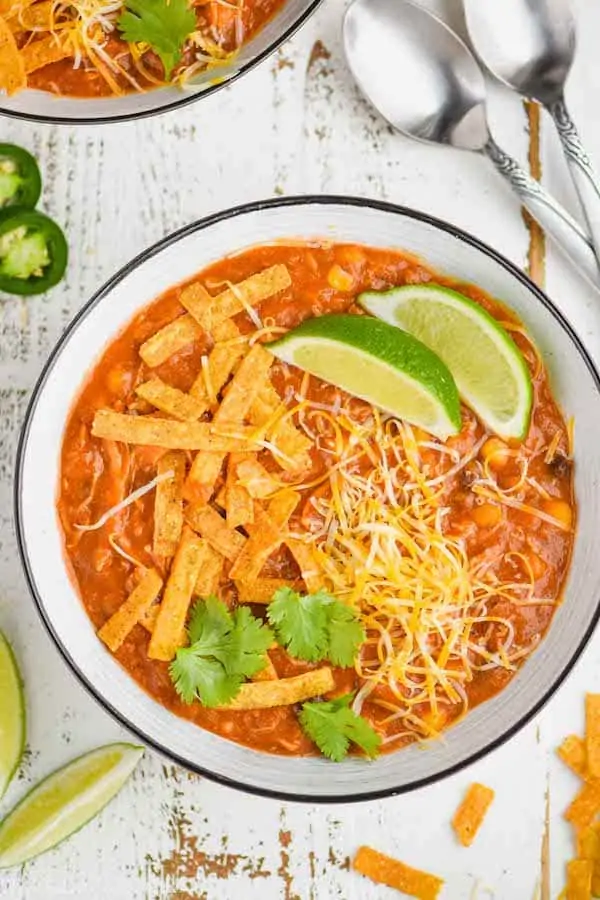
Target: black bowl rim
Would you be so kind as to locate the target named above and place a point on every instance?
(184, 100)
(200, 225)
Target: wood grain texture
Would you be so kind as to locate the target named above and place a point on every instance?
(170, 835)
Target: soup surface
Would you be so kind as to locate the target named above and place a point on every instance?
(451, 554)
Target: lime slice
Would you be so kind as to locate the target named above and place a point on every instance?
(12, 715)
(488, 367)
(64, 802)
(377, 363)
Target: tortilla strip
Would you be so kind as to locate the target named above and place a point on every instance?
(196, 300)
(592, 734)
(12, 7)
(265, 538)
(579, 879)
(116, 630)
(200, 484)
(13, 76)
(469, 816)
(294, 445)
(269, 673)
(262, 589)
(309, 568)
(239, 507)
(384, 869)
(43, 52)
(255, 479)
(168, 505)
(149, 618)
(222, 360)
(220, 498)
(169, 631)
(282, 506)
(171, 435)
(170, 340)
(209, 577)
(250, 292)
(588, 847)
(284, 691)
(207, 522)
(572, 752)
(170, 400)
(586, 805)
(33, 18)
(245, 385)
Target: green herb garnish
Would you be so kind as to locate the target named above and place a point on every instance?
(333, 726)
(316, 626)
(164, 24)
(225, 649)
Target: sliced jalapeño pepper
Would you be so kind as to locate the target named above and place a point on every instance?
(20, 179)
(33, 252)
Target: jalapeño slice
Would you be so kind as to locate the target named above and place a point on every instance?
(20, 179)
(33, 252)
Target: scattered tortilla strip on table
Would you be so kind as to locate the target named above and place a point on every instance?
(209, 577)
(45, 51)
(245, 385)
(170, 340)
(395, 874)
(253, 476)
(573, 754)
(249, 293)
(269, 673)
(220, 364)
(169, 631)
(261, 590)
(469, 816)
(592, 734)
(13, 75)
(171, 435)
(207, 522)
(586, 805)
(168, 505)
(284, 691)
(116, 630)
(171, 400)
(579, 879)
(239, 506)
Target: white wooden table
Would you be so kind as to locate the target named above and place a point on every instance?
(294, 125)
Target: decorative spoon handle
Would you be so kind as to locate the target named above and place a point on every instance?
(553, 218)
(582, 171)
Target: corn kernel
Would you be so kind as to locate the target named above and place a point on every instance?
(339, 279)
(559, 510)
(496, 453)
(487, 515)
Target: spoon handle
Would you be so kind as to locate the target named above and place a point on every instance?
(582, 171)
(553, 218)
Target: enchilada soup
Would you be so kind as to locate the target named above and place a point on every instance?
(250, 540)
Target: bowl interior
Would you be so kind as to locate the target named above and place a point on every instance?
(575, 384)
(44, 106)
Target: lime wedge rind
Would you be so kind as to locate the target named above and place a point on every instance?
(378, 363)
(489, 369)
(12, 715)
(65, 802)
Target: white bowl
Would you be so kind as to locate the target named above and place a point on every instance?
(42, 106)
(576, 385)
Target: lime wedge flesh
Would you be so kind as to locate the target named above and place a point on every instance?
(488, 367)
(12, 715)
(64, 802)
(378, 363)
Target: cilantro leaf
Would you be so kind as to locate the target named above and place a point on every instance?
(316, 626)
(164, 24)
(224, 650)
(333, 726)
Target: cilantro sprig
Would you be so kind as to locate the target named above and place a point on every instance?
(164, 24)
(225, 649)
(315, 627)
(334, 726)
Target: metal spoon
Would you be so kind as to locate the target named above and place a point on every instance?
(530, 46)
(425, 82)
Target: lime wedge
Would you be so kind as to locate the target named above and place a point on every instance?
(377, 363)
(489, 369)
(64, 802)
(12, 715)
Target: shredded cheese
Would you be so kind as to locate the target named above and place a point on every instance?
(127, 501)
